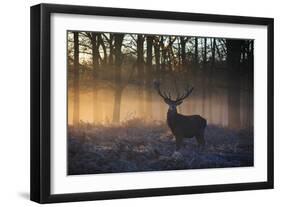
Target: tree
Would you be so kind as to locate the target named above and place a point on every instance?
(118, 78)
(76, 80)
(233, 63)
(183, 41)
(95, 51)
(205, 52)
(196, 50)
(157, 52)
(149, 42)
(140, 64)
(101, 43)
(213, 53)
(95, 67)
(110, 45)
(203, 76)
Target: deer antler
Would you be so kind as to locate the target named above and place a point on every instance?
(187, 92)
(156, 84)
(168, 96)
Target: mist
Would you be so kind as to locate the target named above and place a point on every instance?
(117, 120)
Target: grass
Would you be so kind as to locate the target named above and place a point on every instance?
(136, 145)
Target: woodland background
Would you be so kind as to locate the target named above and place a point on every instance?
(117, 121)
(110, 77)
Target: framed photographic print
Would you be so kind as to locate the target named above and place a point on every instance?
(132, 103)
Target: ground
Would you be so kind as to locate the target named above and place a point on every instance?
(136, 145)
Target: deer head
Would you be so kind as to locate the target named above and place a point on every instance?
(173, 103)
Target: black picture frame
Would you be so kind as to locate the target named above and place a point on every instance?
(41, 96)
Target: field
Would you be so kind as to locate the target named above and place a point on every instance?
(136, 145)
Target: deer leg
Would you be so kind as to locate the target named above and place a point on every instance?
(178, 143)
(201, 141)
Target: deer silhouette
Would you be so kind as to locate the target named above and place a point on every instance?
(182, 126)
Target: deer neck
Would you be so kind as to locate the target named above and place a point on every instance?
(171, 117)
(172, 113)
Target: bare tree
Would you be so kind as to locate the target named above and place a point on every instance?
(156, 45)
(118, 78)
(233, 62)
(205, 52)
(76, 99)
(213, 53)
(196, 50)
(149, 42)
(140, 63)
(183, 41)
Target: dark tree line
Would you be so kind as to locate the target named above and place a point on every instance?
(151, 55)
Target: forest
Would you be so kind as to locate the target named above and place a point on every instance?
(117, 121)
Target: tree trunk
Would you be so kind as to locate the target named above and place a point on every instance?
(118, 78)
(169, 54)
(148, 102)
(196, 51)
(205, 52)
(140, 63)
(117, 105)
(95, 104)
(250, 57)
(76, 97)
(183, 53)
(244, 45)
(95, 67)
(95, 52)
(157, 54)
(213, 53)
(110, 49)
(202, 76)
(233, 62)
(163, 54)
(101, 42)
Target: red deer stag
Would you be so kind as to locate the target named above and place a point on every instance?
(182, 126)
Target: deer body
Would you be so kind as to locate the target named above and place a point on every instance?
(186, 127)
(182, 126)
